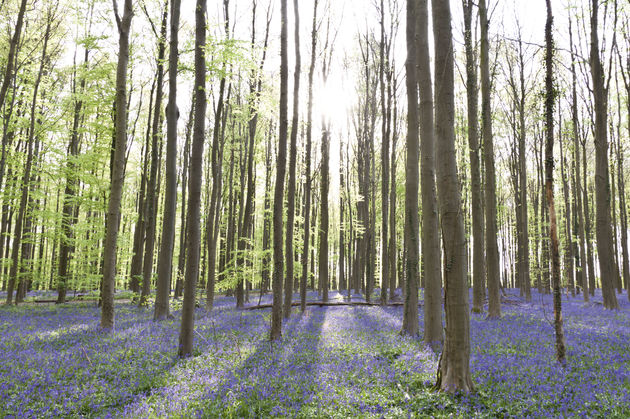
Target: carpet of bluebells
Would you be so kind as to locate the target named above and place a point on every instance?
(332, 362)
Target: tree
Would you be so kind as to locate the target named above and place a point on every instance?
(479, 264)
(603, 227)
(454, 369)
(20, 227)
(430, 235)
(9, 76)
(118, 167)
(156, 151)
(553, 227)
(288, 282)
(307, 160)
(194, 187)
(385, 274)
(410, 310)
(165, 259)
(278, 262)
(492, 250)
(69, 206)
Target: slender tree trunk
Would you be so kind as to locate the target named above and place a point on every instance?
(266, 259)
(66, 243)
(9, 78)
(182, 235)
(153, 184)
(288, 282)
(278, 260)
(135, 272)
(553, 228)
(26, 179)
(323, 214)
(410, 310)
(524, 279)
(492, 250)
(194, 187)
(479, 263)
(454, 369)
(165, 259)
(385, 274)
(307, 161)
(430, 235)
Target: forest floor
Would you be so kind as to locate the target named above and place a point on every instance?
(332, 362)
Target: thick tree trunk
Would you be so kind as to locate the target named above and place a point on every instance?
(454, 370)
(430, 236)
(603, 226)
(194, 187)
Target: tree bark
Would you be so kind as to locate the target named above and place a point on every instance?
(553, 228)
(430, 236)
(492, 250)
(194, 187)
(307, 161)
(165, 259)
(278, 260)
(410, 311)
(288, 282)
(153, 184)
(603, 227)
(479, 263)
(117, 169)
(454, 369)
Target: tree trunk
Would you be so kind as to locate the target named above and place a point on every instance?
(153, 184)
(479, 263)
(454, 369)
(430, 235)
(602, 182)
(9, 77)
(26, 179)
(66, 242)
(410, 311)
(278, 260)
(117, 169)
(385, 274)
(307, 161)
(165, 259)
(492, 250)
(288, 282)
(194, 187)
(553, 228)
(184, 184)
